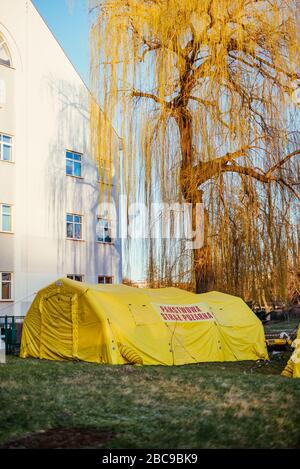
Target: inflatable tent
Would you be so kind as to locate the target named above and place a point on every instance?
(292, 369)
(118, 324)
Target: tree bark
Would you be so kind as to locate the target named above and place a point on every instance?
(194, 195)
(201, 255)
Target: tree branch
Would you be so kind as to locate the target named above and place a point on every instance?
(282, 162)
(142, 94)
(247, 171)
(203, 101)
(262, 177)
(261, 61)
(230, 156)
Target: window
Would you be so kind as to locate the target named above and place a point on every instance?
(6, 286)
(78, 278)
(74, 226)
(73, 164)
(105, 280)
(104, 230)
(6, 218)
(5, 147)
(4, 53)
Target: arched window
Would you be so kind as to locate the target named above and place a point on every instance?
(5, 58)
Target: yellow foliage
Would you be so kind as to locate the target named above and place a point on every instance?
(204, 91)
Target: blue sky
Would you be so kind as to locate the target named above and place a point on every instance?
(69, 22)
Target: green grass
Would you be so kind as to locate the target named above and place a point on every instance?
(279, 326)
(224, 405)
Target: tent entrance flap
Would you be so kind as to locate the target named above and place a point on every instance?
(59, 326)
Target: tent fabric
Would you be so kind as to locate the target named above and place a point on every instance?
(292, 369)
(118, 324)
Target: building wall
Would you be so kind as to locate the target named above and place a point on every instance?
(47, 112)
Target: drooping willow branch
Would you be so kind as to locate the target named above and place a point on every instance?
(208, 116)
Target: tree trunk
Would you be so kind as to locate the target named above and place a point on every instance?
(192, 194)
(201, 255)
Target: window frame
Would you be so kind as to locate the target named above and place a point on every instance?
(10, 145)
(11, 282)
(105, 282)
(73, 175)
(76, 275)
(8, 63)
(1, 218)
(73, 224)
(110, 229)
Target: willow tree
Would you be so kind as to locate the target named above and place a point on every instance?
(206, 91)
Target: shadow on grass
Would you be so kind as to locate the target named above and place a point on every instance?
(62, 438)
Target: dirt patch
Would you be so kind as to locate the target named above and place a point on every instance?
(62, 438)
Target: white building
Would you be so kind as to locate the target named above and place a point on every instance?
(50, 222)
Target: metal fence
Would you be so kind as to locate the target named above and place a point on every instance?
(11, 332)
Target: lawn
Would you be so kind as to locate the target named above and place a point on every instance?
(280, 326)
(224, 405)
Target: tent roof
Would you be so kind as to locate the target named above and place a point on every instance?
(121, 289)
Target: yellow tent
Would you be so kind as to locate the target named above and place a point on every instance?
(292, 369)
(118, 324)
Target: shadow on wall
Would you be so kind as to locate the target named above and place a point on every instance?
(66, 194)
